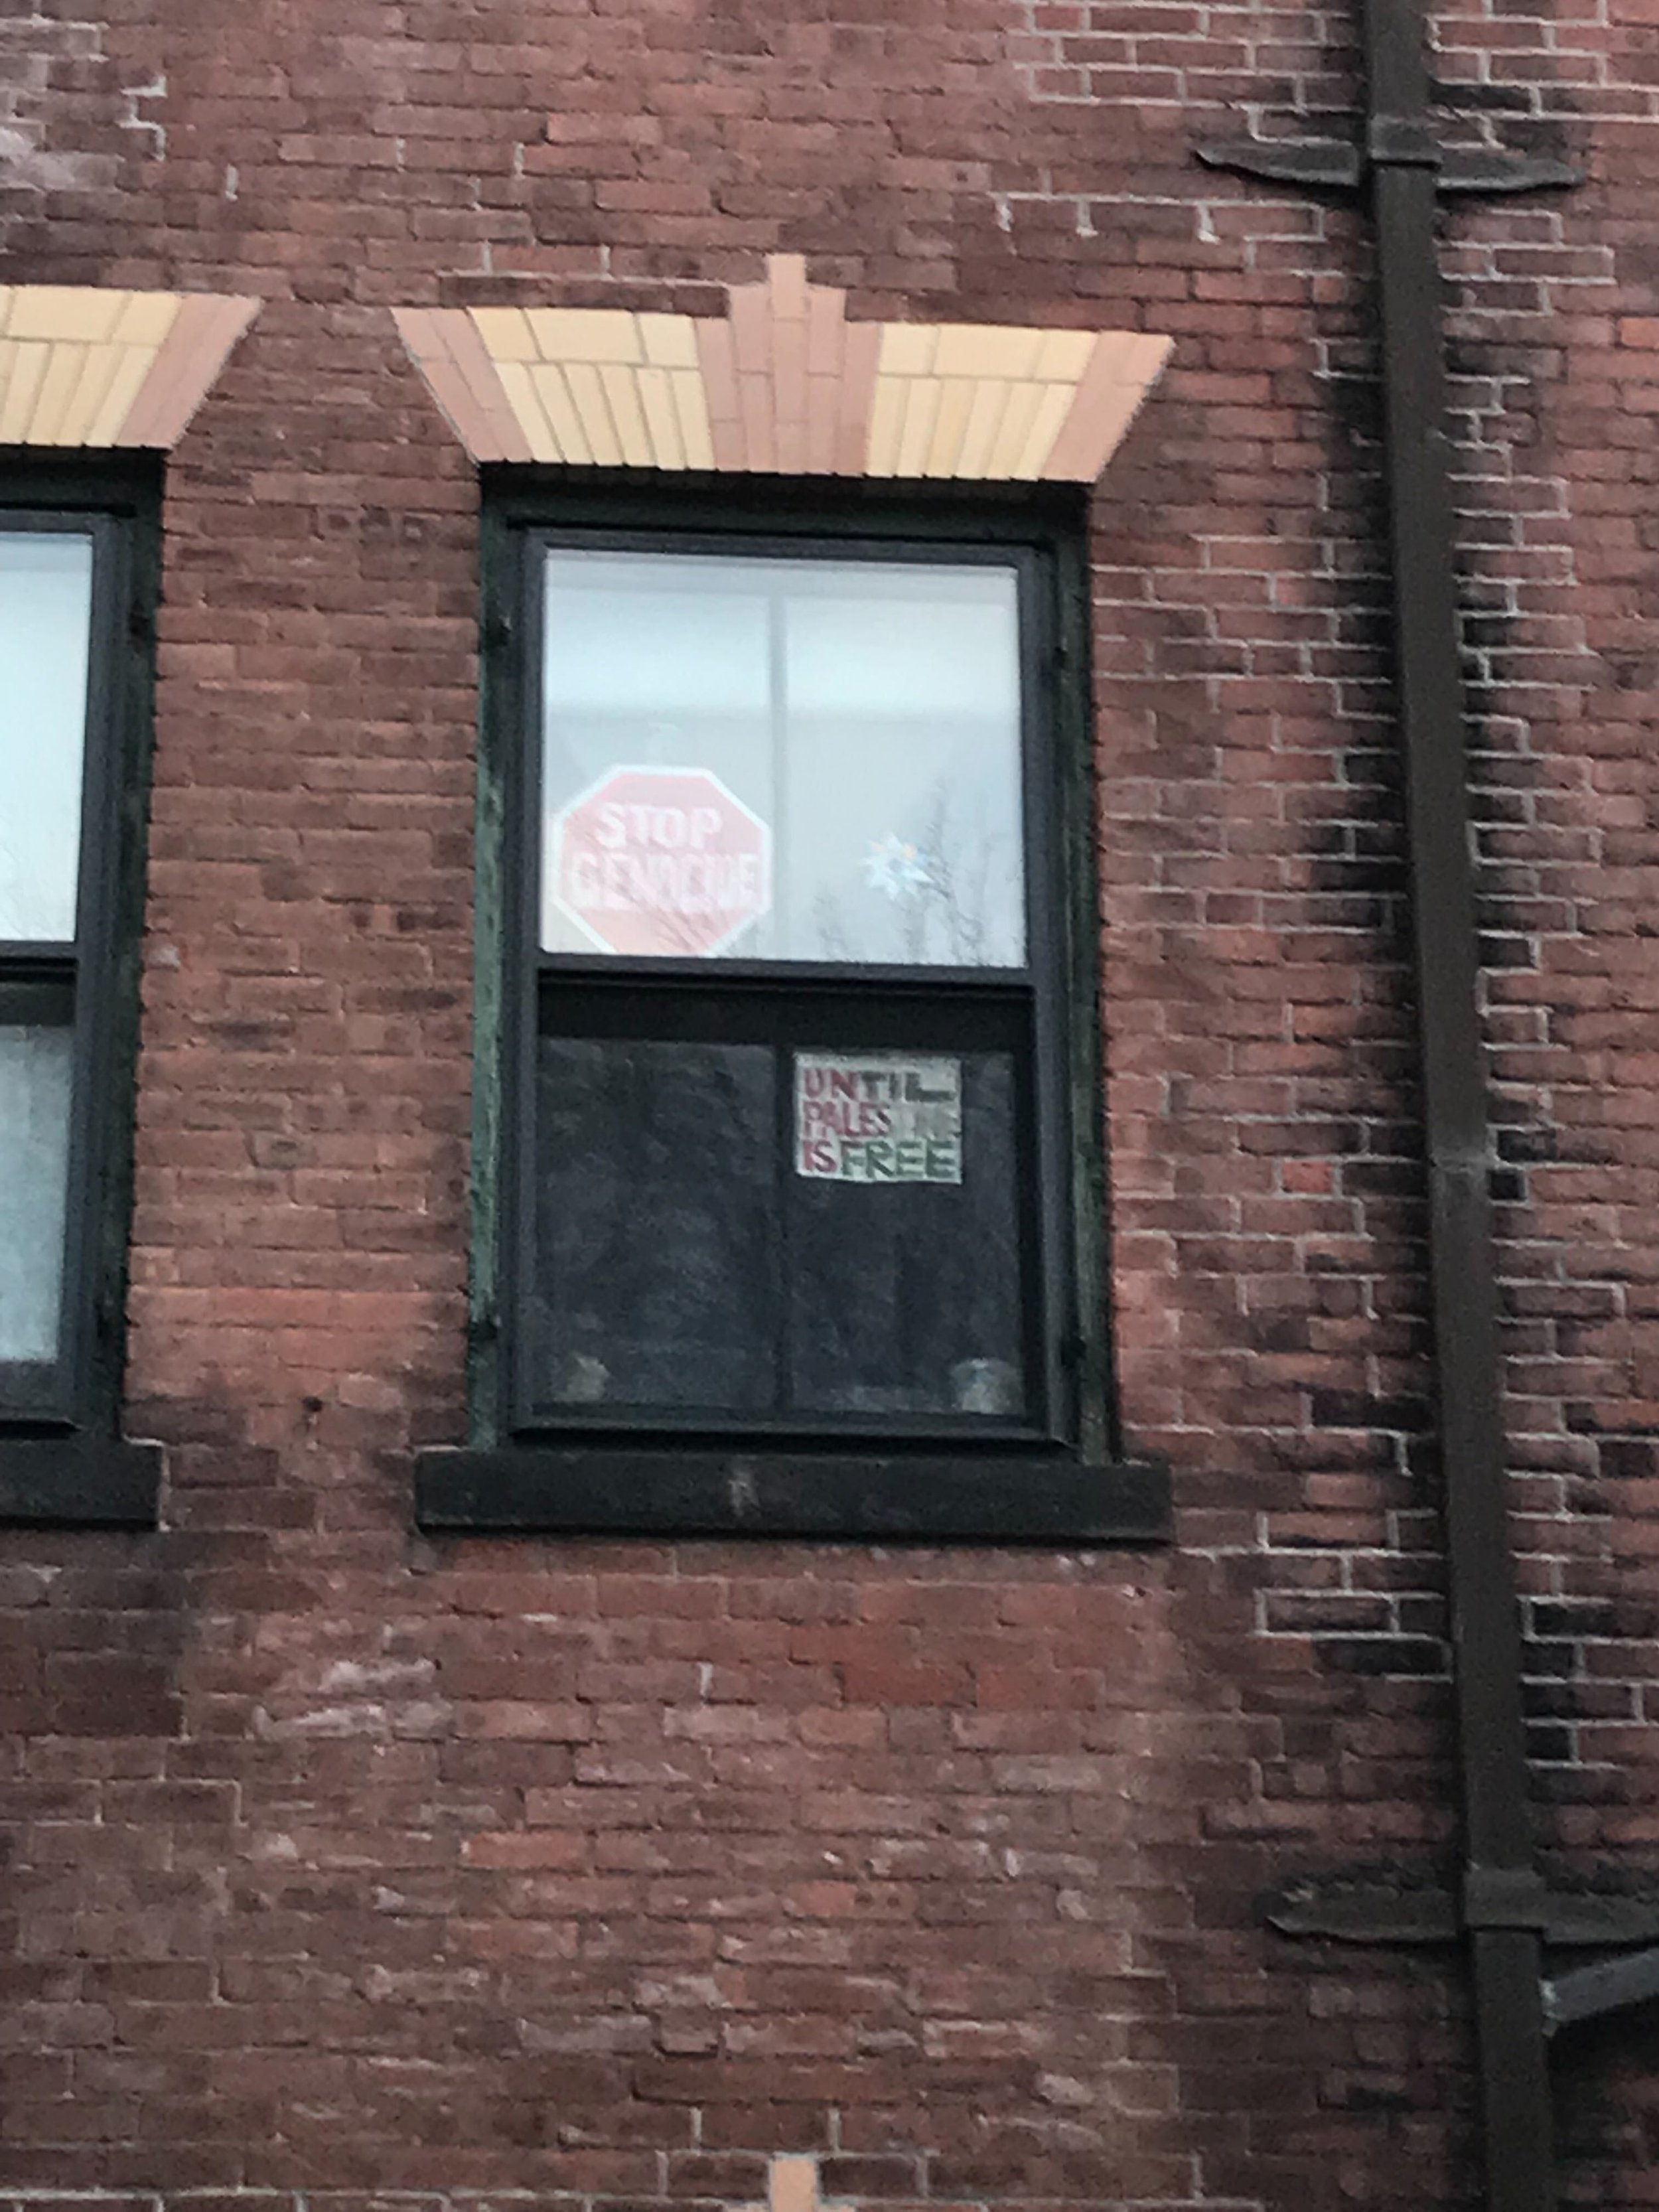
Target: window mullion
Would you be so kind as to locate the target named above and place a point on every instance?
(782, 1007)
(783, 1212)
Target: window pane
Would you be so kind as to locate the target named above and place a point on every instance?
(787, 760)
(902, 688)
(655, 1263)
(45, 609)
(34, 1114)
(698, 1249)
(904, 1242)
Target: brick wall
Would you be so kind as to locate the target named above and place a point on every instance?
(352, 1869)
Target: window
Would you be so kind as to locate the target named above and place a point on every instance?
(786, 1214)
(75, 572)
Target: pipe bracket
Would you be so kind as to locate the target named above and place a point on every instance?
(1391, 141)
(1512, 1898)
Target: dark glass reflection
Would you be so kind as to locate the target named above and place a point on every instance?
(35, 1072)
(682, 1265)
(656, 1254)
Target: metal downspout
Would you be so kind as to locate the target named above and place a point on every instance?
(1503, 1897)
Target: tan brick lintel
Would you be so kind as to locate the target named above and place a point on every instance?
(783, 384)
(97, 367)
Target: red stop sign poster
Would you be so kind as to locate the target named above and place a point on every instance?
(659, 861)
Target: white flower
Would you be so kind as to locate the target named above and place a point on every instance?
(897, 868)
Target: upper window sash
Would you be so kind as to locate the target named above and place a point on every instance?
(710, 774)
(46, 647)
(781, 759)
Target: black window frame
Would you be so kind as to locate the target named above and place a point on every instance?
(1063, 1476)
(62, 1459)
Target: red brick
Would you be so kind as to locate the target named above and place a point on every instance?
(942, 1864)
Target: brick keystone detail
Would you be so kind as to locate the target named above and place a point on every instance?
(785, 385)
(84, 366)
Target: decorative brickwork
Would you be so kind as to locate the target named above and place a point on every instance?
(89, 367)
(785, 385)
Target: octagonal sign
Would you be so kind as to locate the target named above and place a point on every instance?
(660, 862)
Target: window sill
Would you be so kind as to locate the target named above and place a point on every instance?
(621, 1489)
(79, 1481)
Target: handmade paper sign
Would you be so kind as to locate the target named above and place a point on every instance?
(877, 1117)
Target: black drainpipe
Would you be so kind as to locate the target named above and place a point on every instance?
(1502, 1910)
(1502, 1894)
